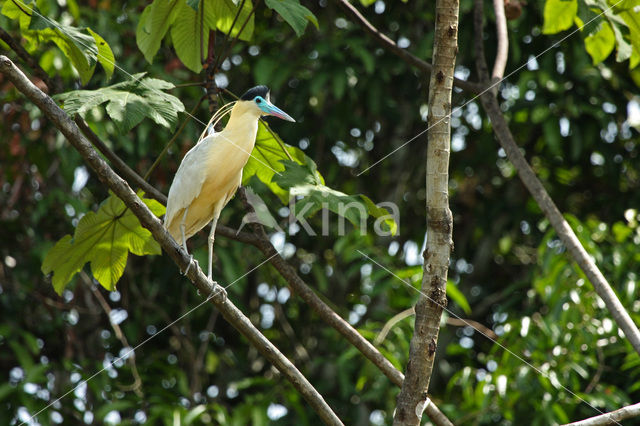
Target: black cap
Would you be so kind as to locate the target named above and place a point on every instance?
(255, 91)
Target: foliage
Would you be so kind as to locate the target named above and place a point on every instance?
(355, 104)
(82, 50)
(128, 103)
(104, 239)
(619, 29)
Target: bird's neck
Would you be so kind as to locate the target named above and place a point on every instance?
(242, 126)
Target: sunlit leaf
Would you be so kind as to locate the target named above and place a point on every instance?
(103, 239)
(559, 15)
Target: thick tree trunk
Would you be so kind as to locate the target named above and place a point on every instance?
(413, 398)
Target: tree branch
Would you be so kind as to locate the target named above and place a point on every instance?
(109, 178)
(503, 43)
(550, 210)
(52, 83)
(323, 310)
(392, 47)
(628, 412)
(413, 397)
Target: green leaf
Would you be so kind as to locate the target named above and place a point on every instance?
(129, 102)
(559, 15)
(103, 239)
(185, 34)
(265, 160)
(304, 181)
(105, 54)
(194, 4)
(153, 26)
(600, 43)
(12, 11)
(221, 13)
(457, 296)
(294, 14)
(78, 47)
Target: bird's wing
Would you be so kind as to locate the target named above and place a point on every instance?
(188, 180)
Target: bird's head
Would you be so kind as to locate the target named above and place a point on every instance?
(258, 98)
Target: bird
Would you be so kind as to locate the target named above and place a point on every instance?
(211, 171)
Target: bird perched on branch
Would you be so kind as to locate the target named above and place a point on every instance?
(211, 171)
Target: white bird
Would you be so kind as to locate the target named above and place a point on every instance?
(211, 172)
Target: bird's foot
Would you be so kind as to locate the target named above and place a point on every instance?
(191, 260)
(217, 290)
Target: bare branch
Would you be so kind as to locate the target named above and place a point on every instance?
(503, 43)
(550, 210)
(392, 47)
(120, 187)
(624, 413)
(136, 386)
(413, 397)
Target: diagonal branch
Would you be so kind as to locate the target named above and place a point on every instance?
(109, 178)
(542, 198)
(535, 187)
(614, 417)
(392, 47)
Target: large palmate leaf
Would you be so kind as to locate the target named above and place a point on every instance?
(103, 239)
(127, 103)
(293, 13)
(302, 180)
(188, 22)
(559, 15)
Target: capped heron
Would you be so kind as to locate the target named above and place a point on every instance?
(211, 171)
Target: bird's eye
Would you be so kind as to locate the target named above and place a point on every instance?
(258, 100)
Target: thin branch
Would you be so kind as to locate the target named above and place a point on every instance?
(614, 417)
(548, 207)
(481, 328)
(391, 323)
(148, 220)
(226, 39)
(136, 386)
(392, 47)
(52, 83)
(503, 43)
(226, 53)
(327, 314)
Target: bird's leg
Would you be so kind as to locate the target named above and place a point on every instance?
(212, 235)
(184, 241)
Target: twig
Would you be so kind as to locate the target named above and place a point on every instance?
(596, 377)
(52, 83)
(392, 47)
(548, 207)
(327, 314)
(226, 39)
(198, 363)
(481, 328)
(503, 43)
(136, 386)
(624, 413)
(413, 397)
(226, 53)
(148, 220)
(391, 323)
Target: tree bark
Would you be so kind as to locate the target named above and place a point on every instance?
(614, 417)
(413, 398)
